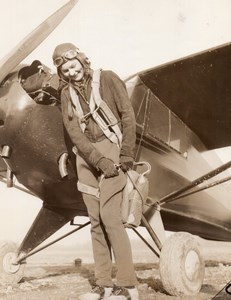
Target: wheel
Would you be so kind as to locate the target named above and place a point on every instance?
(10, 272)
(181, 265)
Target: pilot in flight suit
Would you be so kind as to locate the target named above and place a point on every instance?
(100, 121)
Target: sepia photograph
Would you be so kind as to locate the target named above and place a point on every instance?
(115, 150)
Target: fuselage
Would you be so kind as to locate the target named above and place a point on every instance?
(35, 135)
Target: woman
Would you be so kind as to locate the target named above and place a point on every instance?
(100, 121)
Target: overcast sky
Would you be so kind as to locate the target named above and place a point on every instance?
(124, 35)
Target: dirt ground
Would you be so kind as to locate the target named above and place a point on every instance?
(54, 274)
(68, 282)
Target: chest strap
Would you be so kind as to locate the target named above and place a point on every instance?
(99, 110)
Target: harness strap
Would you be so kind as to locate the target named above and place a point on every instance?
(87, 189)
(105, 118)
(95, 86)
(78, 109)
(99, 110)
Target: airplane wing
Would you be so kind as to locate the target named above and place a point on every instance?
(197, 89)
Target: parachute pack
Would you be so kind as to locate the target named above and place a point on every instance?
(135, 195)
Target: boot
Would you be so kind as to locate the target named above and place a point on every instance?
(97, 293)
(124, 293)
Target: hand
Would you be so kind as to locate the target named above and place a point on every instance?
(108, 167)
(126, 163)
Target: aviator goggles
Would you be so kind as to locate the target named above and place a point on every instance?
(68, 55)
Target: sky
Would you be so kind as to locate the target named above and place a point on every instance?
(126, 36)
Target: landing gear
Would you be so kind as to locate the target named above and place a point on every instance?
(181, 265)
(10, 271)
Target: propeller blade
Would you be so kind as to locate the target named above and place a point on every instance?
(33, 39)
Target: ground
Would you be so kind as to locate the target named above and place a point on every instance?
(68, 282)
(57, 274)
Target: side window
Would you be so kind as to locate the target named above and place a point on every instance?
(158, 120)
(138, 95)
(178, 136)
(155, 118)
(166, 126)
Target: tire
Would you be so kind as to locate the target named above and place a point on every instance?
(9, 273)
(181, 265)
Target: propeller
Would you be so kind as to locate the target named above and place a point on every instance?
(33, 39)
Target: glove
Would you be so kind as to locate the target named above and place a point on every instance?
(126, 163)
(107, 167)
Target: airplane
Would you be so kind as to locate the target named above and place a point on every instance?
(182, 113)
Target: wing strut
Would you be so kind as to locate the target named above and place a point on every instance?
(23, 256)
(180, 193)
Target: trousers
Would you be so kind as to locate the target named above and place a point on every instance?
(107, 229)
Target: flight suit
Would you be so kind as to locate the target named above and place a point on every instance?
(104, 207)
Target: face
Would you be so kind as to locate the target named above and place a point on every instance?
(73, 70)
